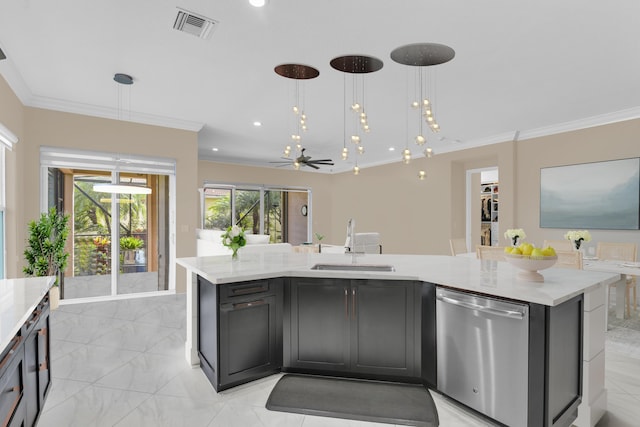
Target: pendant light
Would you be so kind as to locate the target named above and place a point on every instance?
(357, 66)
(121, 188)
(299, 73)
(124, 81)
(422, 56)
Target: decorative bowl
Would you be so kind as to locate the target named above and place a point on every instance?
(530, 266)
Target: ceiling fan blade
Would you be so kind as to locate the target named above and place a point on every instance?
(323, 162)
(311, 165)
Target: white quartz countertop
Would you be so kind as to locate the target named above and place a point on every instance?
(18, 299)
(486, 277)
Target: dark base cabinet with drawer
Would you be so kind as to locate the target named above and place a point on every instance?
(239, 330)
(25, 377)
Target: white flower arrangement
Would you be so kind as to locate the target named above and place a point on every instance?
(578, 236)
(234, 239)
(514, 234)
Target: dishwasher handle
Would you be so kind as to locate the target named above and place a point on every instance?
(512, 314)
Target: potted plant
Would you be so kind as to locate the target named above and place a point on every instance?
(45, 250)
(129, 245)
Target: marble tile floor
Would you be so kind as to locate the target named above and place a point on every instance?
(121, 363)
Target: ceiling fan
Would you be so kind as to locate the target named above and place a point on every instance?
(303, 160)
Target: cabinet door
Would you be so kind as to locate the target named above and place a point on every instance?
(44, 371)
(31, 376)
(319, 323)
(248, 339)
(208, 329)
(383, 327)
(36, 360)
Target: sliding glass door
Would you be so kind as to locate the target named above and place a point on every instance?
(120, 235)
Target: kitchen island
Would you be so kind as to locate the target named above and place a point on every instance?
(278, 285)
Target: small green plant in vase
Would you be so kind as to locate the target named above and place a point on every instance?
(319, 237)
(129, 245)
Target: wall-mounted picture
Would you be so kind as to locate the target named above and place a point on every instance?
(601, 195)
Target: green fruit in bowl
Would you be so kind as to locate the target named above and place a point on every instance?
(549, 251)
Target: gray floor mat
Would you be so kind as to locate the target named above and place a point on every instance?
(382, 402)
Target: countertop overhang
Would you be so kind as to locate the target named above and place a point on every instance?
(18, 299)
(482, 276)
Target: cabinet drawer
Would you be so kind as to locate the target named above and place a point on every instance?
(234, 291)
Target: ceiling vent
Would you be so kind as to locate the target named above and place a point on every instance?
(195, 24)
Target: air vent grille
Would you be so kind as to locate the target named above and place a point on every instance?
(194, 24)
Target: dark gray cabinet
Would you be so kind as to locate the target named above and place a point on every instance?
(361, 327)
(555, 363)
(239, 330)
(25, 377)
(317, 315)
(36, 358)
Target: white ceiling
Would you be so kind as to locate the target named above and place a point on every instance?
(521, 68)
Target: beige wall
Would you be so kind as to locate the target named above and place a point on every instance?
(416, 216)
(38, 127)
(413, 216)
(610, 142)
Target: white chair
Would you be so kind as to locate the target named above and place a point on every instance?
(610, 251)
(495, 253)
(569, 259)
(559, 245)
(458, 246)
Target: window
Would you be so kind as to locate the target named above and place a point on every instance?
(7, 139)
(281, 212)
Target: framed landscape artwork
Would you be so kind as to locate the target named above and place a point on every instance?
(601, 195)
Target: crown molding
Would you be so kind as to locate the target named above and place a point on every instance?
(112, 113)
(588, 122)
(13, 78)
(26, 97)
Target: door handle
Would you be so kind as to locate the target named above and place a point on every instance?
(513, 314)
(353, 303)
(346, 304)
(246, 291)
(242, 305)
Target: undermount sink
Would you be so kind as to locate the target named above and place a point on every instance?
(354, 267)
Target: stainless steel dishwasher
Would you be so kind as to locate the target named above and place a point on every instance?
(483, 353)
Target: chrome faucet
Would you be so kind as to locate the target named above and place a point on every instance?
(351, 235)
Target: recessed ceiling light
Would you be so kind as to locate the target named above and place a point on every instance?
(257, 124)
(392, 149)
(257, 3)
(214, 149)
